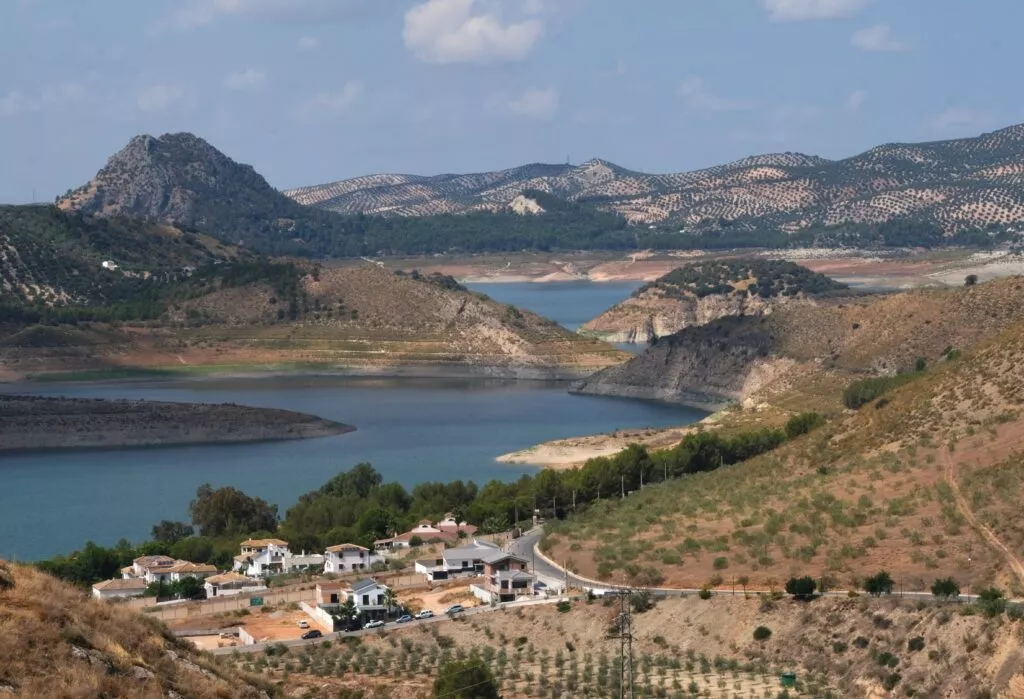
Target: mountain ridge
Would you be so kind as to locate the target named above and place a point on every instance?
(954, 183)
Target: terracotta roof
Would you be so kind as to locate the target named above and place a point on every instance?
(148, 561)
(128, 570)
(229, 578)
(189, 567)
(121, 584)
(342, 547)
(257, 543)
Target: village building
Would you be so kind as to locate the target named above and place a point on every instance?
(119, 588)
(231, 583)
(345, 558)
(261, 558)
(447, 530)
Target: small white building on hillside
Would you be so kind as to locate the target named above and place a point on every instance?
(119, 588)
(227, 584)
(460, 561)
(344, 558)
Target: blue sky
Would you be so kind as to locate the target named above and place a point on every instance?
(310, 91)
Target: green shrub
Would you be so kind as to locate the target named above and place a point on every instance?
(564, 606)
(704, 593)
(762, 633)
(916, 644)
(803, 423)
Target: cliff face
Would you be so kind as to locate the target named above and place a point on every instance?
(652, 315)
(701, 292)
(804, 345)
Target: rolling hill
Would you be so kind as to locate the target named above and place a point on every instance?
(954, 185)
(921, 480)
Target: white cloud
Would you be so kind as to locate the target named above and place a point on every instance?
(246, 80)
(458, 31)
(156, 98)
(856, 99)
(308, 43)
(960, 119)
(698, 98)
(536, 104)
(877, 38)
(16, 102)
(331, 103)
(799, 10)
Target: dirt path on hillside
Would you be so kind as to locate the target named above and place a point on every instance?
(961, 503)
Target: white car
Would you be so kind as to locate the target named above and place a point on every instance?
(425, 614)
(303, 624)
(375, 624)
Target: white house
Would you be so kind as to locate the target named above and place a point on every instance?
(448, 530)
(151, 569)
(370, 597)
(344, 558)
(109, 264)
(466, 560)
(227, 584)
(119, 588)
(264, 557)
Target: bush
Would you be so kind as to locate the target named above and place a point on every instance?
(970, 280)
(564, 606)
(415, 540)
(704, 593)
(801, 588)
(762, 633)
(878, 584)
(946, 588)
(839, 647)
(916, 644)
(863, 391)
(861, 642)
(991, 602)
(803, 423)
(721, 563)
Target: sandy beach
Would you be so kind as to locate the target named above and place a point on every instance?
(563, 454)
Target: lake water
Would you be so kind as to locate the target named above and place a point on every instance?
(411, 430)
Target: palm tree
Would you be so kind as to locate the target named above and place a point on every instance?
(348, 612)
(390, 599)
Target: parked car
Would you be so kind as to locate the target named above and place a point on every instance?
(312, 633)
(303, 624)
(375, 624)
(404, 619)
(455, 609)
(425, 614)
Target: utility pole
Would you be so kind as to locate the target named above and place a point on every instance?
(625, 646)
(574, 500)
(622, 482)
(641, 479)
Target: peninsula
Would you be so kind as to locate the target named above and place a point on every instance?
(33, 423)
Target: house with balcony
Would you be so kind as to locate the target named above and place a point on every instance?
(345, 558)
(460, 561)
(261, 558)
(507, 578)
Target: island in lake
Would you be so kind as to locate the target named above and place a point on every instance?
(31, 422)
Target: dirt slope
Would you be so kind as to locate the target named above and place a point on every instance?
(56, 642)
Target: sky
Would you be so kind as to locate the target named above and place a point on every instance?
(312, 91)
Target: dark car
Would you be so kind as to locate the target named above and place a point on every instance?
(314, 633)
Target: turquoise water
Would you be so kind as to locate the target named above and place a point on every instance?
(411, 430)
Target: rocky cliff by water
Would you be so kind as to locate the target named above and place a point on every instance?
(699, 293)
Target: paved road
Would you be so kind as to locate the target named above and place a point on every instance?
(525, 547)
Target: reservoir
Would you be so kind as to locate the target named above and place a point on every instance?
(411, 430)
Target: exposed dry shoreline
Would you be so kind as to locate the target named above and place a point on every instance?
(31, 423)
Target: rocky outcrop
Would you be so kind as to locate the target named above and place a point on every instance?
(707, 367)
(652, 315)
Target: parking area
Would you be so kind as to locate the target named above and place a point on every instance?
(280, 625)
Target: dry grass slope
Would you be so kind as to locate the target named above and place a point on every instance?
(56, 642)
(870, 490)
